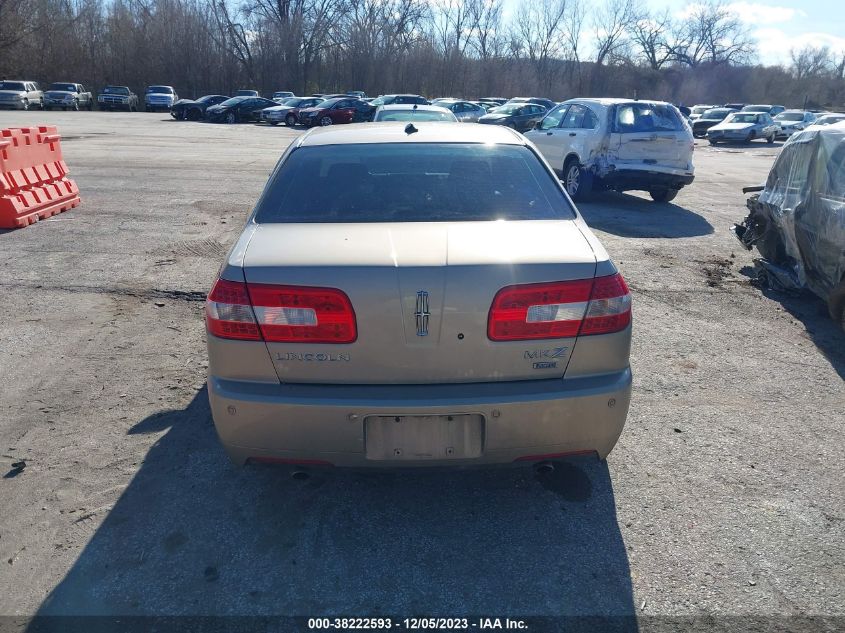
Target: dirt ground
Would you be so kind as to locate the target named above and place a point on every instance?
(723, 497)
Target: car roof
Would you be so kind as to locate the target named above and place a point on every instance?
(418, 107)
(427, 132)
(609, 101)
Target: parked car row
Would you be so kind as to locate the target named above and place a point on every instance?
(749, 122)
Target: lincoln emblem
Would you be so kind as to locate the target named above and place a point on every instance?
(422, 313)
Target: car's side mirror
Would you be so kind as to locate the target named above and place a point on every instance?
(537, 124)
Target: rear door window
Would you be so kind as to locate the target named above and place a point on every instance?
(553, 118)
(412, 182)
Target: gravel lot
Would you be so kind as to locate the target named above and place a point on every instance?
(723, 497)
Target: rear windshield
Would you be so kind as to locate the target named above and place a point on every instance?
(646, 117)
(11, 85)
(167, 90)
(412, 182)
(742, 117)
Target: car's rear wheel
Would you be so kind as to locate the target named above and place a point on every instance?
(770, 139)
(231, 118)
(712, 142)
(326, 120)
(41, 104)
(75, 106)
(663, 195)
(577, 181)
(25, 104)
(273, 122)
(192, 115)
(836, 304)
(290, 120)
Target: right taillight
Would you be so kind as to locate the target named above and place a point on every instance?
(274, 313)
(561, 309)
(610, 306)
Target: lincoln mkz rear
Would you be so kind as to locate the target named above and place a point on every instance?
(417, 296)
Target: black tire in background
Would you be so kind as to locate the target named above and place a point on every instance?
(663, 195)
(578, 182)
(836, 304)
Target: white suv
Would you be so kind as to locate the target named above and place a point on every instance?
(617, 144)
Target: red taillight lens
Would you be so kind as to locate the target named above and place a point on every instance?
(292, 314)
(560, 309)
(610, 306)
(298, 314)
(228, 313)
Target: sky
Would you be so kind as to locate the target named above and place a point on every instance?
(780, 25)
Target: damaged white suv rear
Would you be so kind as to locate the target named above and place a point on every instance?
(617, 144)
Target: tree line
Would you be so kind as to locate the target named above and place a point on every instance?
(472, 48)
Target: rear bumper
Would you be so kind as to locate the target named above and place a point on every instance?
(325, 423)
(645, 179)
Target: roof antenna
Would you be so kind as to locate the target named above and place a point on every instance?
(410, 129)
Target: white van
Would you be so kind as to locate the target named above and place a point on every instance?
(618, 144)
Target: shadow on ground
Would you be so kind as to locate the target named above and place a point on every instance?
(629, 216)
(193, 535)
(813, 314)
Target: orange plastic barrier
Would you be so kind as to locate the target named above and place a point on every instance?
(33, 176)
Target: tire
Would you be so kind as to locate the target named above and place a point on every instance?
(577, 182)
(770, 139)
(48, 108)
(326, 121)
(90, 106)
(273, 122)
(75, 106)
(836, 304)
(711, 141)
(41, 103)
(290, 120)
(192, 115)
(25, 104)
(231, 118)
(663, 195)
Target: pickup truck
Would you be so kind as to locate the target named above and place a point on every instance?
(117, 98)
(20, 95)
(68, 95)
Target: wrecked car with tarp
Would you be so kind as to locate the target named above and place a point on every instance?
(797, 219)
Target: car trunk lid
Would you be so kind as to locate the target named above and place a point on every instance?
(421, 293)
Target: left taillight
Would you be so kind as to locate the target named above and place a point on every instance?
(228, 313)
(275, 313)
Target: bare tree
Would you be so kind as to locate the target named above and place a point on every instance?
(540, 34)
(611, 23)
(649, 33)
(811, 61)
(712, 33)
